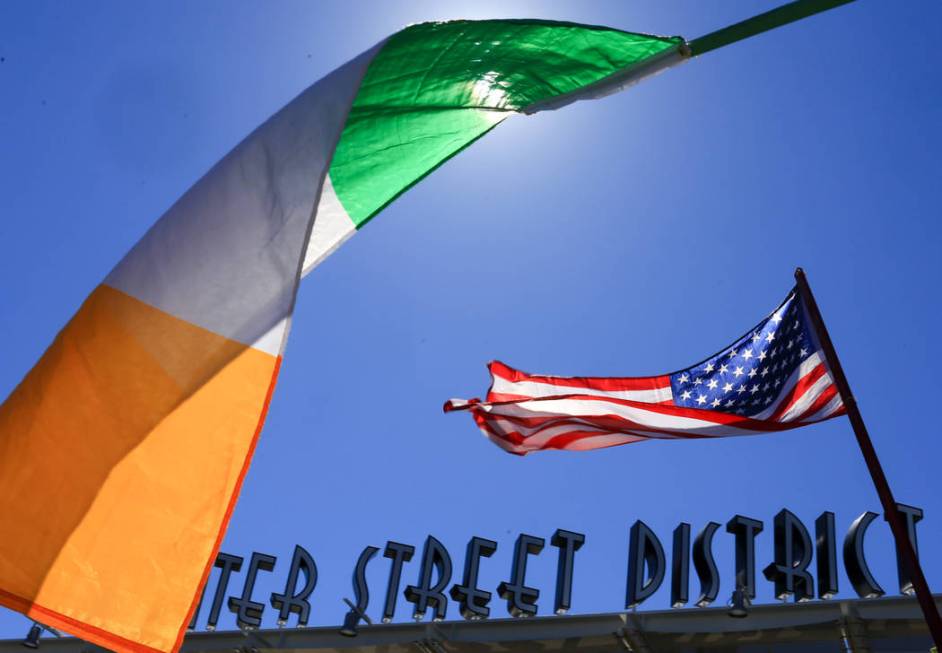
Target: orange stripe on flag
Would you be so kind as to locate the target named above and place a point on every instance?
(138, 428)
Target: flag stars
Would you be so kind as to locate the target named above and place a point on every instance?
(769, 357)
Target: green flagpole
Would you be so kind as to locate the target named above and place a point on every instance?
(762, 23)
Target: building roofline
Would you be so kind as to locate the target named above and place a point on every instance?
(850, 619)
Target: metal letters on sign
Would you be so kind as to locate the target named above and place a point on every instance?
(521, 600)
(399, 554)
(361, 590)
(826, 552)
(705, 565)
(645, 564)
(293, 601)
(437, 562)
(791, 571)
(227, 564)
(855, 563)
(745, 530)
(911, 515)
(248, 612)
(680, 566)
(568, 543)
(472, 600)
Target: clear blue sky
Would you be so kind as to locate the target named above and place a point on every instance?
(628, 236)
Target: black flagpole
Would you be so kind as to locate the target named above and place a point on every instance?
(929, 609)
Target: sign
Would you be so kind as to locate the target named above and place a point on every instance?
(790, 571)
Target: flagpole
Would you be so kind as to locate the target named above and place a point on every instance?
(929, 609)
(788, 13)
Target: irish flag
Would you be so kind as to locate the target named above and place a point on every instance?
(122, 451)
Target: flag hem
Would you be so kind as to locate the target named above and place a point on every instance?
(80, 629)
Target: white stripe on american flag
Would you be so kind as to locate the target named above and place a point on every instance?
(804, 402)
(510, 383)
(830, 409)
(503, 386)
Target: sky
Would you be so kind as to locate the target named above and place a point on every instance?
(632, 235)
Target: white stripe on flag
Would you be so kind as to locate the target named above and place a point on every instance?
(600, 407)
(539, 389)
(830, 408)
(226, 255)
(332, 228)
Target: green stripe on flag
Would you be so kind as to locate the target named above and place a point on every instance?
(434, 88)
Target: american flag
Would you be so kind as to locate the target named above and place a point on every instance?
(773, 378)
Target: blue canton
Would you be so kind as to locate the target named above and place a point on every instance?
(746, 377)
